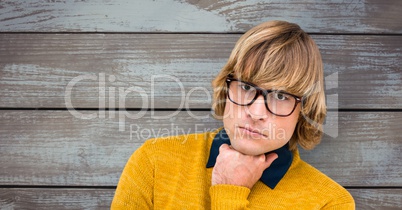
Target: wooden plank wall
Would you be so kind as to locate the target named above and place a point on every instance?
(68, 70)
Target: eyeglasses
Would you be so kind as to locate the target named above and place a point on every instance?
(277, 102)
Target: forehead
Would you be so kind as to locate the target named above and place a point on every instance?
(267, 85)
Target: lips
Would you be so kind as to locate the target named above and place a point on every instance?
(252, 130)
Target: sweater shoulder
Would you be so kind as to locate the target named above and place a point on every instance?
(318, 183)
(183, 139)
(316, 176)
(179, 144)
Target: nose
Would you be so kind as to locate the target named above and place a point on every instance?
(257, 110)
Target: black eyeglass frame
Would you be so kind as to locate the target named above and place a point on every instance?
(259, 92)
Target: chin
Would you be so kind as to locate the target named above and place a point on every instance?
(250, 150)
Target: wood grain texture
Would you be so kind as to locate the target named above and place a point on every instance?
(353, 16)
(55, 148)
(48, 198)
(373, 199)
(175, 70)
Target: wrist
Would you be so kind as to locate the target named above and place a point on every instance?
(225, 196)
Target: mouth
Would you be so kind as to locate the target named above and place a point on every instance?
(252, 131)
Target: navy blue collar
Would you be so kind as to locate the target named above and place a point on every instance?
(272, 175)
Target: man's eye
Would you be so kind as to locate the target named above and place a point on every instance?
(246, 87)
(281, 96)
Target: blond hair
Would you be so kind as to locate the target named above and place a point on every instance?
(280, 55)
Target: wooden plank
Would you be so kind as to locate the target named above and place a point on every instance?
(368, 16)
(50, 198)
(53, 198)
(175, 70)
(373, 199)
(358, 146)
(56, 148)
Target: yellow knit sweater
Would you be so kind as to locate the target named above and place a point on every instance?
(171, 173)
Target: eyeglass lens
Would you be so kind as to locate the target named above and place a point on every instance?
(277, 102)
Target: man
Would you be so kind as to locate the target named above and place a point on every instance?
(270, 97)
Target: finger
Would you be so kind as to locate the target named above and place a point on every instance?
(223, 147)
(269, 158)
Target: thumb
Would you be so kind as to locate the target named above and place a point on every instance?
(223, 147)
(269, 158)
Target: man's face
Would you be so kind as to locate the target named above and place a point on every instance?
(253, 130)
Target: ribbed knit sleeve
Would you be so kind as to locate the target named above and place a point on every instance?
(135, 187)
(229, 197)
